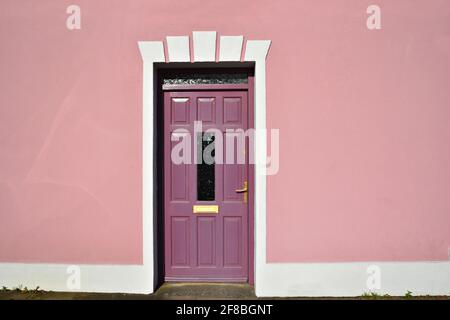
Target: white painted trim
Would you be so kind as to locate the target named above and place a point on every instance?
(151, 52)
(178, 49)
(256, 51)
(230, 48)
(350, 279)
(93, 278)
(204, 46)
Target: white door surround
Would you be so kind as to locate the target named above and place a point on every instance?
(204, 48)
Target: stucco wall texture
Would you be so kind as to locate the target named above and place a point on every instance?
(364, 119)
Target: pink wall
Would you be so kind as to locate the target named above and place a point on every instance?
(363, 115)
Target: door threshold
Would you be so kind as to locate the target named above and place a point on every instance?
(205, 290)
(212, 280)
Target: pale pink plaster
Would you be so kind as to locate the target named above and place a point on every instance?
(363, 115)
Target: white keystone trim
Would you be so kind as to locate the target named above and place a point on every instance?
(256, 50)
(151, 51)
(178, 49)
(230, 48)
(204, 46)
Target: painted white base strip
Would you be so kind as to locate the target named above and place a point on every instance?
(276, 279)
(350, 279)
(92, 278)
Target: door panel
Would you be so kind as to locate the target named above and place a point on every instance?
(205, 246)
(232, 110)
(179, 179)
(179, 245)
(232, 253)
(206, 241)
(206, 109)
(180, 109)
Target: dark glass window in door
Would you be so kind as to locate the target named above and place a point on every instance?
(206, 167)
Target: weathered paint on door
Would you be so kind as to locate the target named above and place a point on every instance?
(205, 246)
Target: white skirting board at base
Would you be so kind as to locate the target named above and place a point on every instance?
(275, 280)
(92, 278)
(353, 279)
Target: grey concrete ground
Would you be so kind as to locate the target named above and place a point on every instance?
(167, 291)
(170, 291)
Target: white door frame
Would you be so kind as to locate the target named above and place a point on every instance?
(204, 50)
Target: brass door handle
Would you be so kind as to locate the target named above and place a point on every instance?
(244, 191)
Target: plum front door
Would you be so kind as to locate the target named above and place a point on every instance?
(206, 209)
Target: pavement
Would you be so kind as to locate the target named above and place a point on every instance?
(168, 291)
(178, 291)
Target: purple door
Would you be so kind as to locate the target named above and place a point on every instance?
(206, 213)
